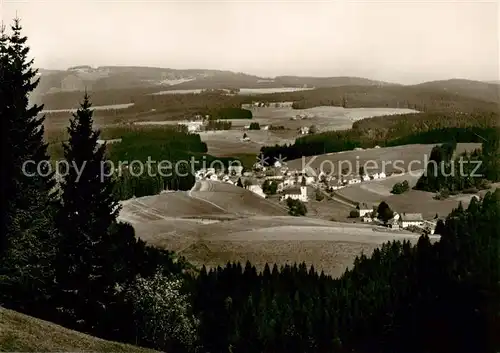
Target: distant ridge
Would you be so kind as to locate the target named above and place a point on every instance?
(79, 77)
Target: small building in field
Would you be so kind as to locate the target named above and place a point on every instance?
(296, 194)
(304, 130)
(353, 181)
(235, 170)
(367, 219)
(382, 175)
(364, 209)
(366, 177)
(411, 219)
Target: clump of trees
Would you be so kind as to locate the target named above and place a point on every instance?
(270, 187)
(232, 113)
(218, 125)
(254, 126)
(354, 214)
(296, 207)
(384, 212)
(400, 188)
(446, 174)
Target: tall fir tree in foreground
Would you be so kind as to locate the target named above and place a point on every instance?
(86, 213)
(96, 253)
(28, 231)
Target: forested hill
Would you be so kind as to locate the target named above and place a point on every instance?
(395, 130)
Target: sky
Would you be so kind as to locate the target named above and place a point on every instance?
(397, 41)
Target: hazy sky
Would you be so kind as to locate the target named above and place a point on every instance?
(399, 41)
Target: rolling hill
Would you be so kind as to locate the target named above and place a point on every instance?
(22, 333)
(123, 77)
(489, 92)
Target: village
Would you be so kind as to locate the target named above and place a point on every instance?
(280, 183)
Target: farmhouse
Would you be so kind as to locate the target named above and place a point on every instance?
(393, 223)
(411, 219)
(235, 170)
(296, 194)
(304, 130)
(366, 177)
(364, 209)
(353, 180)
(192, 126)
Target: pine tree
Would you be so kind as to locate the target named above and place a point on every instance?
(86, 216)
(27, 183)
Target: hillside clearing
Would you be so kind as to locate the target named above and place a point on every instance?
(22, 333)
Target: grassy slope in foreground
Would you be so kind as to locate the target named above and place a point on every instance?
(22, 333)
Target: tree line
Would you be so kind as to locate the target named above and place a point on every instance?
(470, 171)
(397, 130)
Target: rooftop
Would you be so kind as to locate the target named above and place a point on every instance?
(293, 191)
(409, 217)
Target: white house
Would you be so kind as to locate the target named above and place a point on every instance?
(266, 127)
(277, 164)
(353, 181)
(411, 219)
(367, 218)
(256, 189)
(296, 194)
(364, 209)
(192, 126)
(382, 175)
(235, 170)
(366, 177)
(214, 177)
(304, 130)
(376, 176)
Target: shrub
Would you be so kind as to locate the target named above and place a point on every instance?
(296, 207)
(163, 314)
(400, 188)
(354, 214)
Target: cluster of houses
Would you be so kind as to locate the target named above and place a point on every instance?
(290, 183)
(398, 221)
(343, 181)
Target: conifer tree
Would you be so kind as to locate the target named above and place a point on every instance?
(88, 210)
(27, 182)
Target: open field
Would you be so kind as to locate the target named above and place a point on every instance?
(22, 333)
(329, 246)
(325, 118)
(243, 91)
(216, 222)
(412, 201)
(387, 159)
(236, 200)
(228, 142)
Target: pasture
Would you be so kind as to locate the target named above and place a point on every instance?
(387, 159)
(216, 222)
